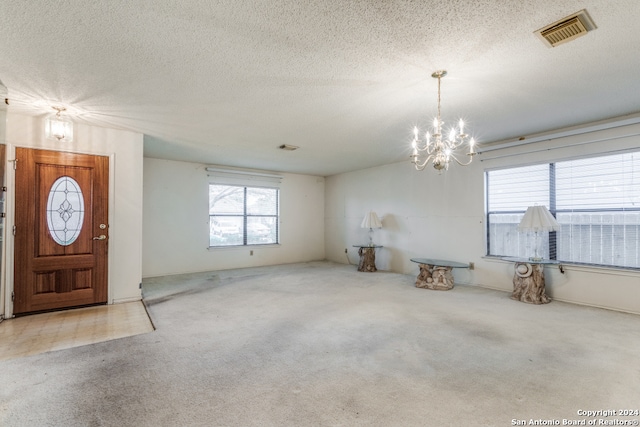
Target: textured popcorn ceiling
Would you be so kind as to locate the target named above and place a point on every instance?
(227, 82)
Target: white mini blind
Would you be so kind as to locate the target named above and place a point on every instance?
(518, 188)
(596, 200)
(598, 208)
(509, 193)
(610, 182)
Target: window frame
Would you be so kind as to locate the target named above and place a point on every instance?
(552, 183)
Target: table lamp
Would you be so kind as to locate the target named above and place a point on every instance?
(371, 221)
(537, 219)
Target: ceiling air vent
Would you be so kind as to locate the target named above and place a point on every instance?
(566, 29)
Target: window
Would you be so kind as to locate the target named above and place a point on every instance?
(241, 215)
(596, 201)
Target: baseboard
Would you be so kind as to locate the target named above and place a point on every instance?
(603, 307)
(123, 300)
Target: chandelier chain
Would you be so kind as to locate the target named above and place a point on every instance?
(439, 122)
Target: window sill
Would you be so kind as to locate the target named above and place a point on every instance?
(236, 247)
(597, 269)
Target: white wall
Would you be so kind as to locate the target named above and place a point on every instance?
(125, 193)
(176, 222)
(442, 216)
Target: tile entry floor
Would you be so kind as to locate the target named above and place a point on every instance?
(39, 333)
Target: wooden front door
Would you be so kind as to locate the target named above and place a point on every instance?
(61, 232)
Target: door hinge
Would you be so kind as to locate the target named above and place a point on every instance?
(13, 296)
(14, 230)
(15, 164)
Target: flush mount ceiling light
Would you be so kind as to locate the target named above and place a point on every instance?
(437, 149)
(58, 127)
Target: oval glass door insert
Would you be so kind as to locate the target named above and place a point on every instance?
(65, 210)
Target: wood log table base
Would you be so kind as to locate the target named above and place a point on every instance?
(528, 284)
(367, 259)
(435, 277)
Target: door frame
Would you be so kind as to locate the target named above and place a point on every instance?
(7, 279)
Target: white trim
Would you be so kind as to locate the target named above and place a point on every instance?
(112, 219)
(584, 304)
(627, 120)
(560, 158)
(568, 266)
(243, 247)
(8, 241)
(125, 300)
(242, 172)
(576, 144)
(250, 178)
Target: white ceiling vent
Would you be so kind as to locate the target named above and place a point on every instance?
(566, 29)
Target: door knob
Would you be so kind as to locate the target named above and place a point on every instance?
(100, 237)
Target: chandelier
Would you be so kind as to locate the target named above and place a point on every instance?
(437, 149)
(58, 127)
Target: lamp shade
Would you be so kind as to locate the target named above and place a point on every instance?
(538, 218)
(371, 220)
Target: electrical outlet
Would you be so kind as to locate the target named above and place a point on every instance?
(472, 266)
(345, 250)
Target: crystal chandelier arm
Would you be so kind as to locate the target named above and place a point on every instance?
(461, 163)
(425, 148)
(430, 148)
(456, 140)
(453, 145)
(420, 166)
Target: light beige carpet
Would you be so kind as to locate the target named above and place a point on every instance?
(319, 344)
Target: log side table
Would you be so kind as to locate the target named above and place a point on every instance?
(367, 257)
(436, 273)
(528, 280)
